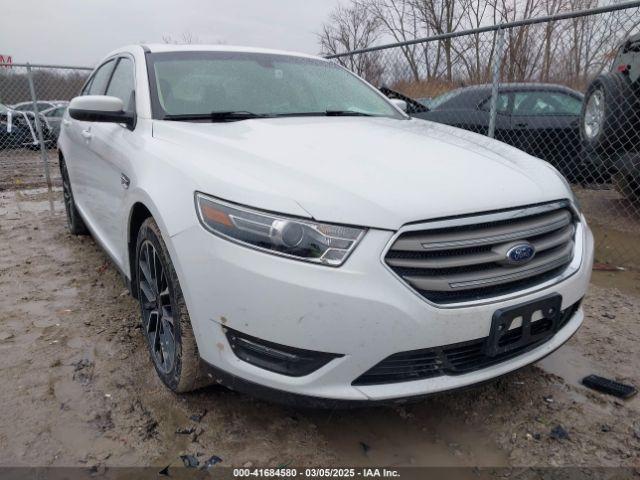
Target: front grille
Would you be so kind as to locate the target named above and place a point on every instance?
(457, 358)
(462, 263)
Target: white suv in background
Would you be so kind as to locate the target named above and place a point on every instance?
(290, 232)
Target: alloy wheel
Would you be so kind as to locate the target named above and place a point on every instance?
(157, 309)
(66, 193)
(594, 114)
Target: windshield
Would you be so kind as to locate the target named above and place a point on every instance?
(199, 83)
(444, 98)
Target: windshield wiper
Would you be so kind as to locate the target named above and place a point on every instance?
(346, 113)
(229, 116)
(326, 113)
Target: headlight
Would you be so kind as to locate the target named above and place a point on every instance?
(291, 237)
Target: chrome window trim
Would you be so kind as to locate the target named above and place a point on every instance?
(473, 219)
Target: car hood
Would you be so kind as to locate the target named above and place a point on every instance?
(374, 172)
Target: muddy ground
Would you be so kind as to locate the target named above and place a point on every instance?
(24, 168)
(79, 388)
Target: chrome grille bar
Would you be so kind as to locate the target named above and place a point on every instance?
(468, 261)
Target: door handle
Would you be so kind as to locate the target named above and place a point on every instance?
(124, 181)
(86, 134)
(522, 125)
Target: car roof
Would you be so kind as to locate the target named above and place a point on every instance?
(29, 102)
(55, 107)
(167, 47)
(510, 86)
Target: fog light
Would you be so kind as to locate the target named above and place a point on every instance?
(294, 362)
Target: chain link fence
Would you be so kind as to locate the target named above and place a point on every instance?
(33, 99)
(564, 88)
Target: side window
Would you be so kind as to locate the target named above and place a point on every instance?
(545, 103)
(502, 105)
(122, 83)
(100, 79)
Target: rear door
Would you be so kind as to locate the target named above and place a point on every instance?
(503, 119)
(545, 124)
(470, 111)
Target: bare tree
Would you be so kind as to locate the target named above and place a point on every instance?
(399, 19)
(187, 38)
(353, 28)
(440, 17)
(569, 51)
(591, 42)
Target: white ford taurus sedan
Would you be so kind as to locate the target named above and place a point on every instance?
(290, 232)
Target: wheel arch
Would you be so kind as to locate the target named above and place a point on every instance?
(138, 214)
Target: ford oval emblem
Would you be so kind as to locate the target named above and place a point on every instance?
(520, 254)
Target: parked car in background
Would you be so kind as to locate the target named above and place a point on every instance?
(426, 101)
(18, 129)
(290, 232)
(53, 117)
(41, 104)
(540, 119)
(610, 120)
(15, 131)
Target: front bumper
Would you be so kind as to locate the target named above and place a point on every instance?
(360, 310)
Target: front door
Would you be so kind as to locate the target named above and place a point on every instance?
(110, 146)
(79, 157)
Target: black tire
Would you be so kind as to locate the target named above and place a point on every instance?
(626, 180)
(615, 131)
(628, 186)
(74, 220)
(178, 366)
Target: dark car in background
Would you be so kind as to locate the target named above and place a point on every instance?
(15, 131)
(18, 129)
(541, 119)
(53, 117)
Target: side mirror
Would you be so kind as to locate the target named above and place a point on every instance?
(100, 108)
(401, 104)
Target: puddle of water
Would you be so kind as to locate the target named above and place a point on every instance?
(45, 322)
(382, 437)
(569, 364)
(77, 343)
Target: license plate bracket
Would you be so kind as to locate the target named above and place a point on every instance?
(503, 339)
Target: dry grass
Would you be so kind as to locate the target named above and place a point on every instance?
(424, 88)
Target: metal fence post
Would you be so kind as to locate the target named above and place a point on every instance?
(497, 63)
(43, 147)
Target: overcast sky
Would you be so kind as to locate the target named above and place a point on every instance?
(81, 32)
